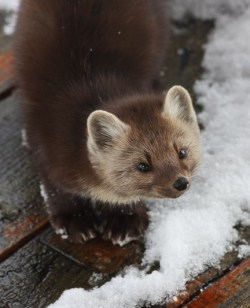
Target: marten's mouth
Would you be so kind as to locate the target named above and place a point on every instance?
(169, 193)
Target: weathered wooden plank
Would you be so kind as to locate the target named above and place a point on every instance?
(6, 58)
(185, 53)
(5, 39)
(6, 71)
(21, 232)
(195, 286)
(21, 207)
(233, 290)
(97, 254)
(36, 276)
(7, 82)
(40, 271)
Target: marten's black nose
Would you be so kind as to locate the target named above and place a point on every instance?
(181, 184)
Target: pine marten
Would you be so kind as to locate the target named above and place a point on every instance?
(101, 133)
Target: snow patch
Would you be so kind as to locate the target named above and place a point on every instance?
(244, 251)
(208, 9)
(10, 21)
(43, 193)
(24, 139)
(10, 5)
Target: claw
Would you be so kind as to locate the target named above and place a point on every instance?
(60, 231)
(84, 237)
(123, 242)
(91, 235)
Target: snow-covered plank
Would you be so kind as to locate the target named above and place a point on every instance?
(195, 287)
(38, 273)
(233, 290)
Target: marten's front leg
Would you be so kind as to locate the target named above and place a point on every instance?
(123, 223)
(71, 216)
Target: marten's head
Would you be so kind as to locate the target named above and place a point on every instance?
(144, 146)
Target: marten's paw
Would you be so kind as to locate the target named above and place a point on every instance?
(123, 226)
(75, 228)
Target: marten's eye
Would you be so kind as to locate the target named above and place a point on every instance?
(142, 167)
(182, 154)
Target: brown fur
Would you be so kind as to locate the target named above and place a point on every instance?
(74, 57)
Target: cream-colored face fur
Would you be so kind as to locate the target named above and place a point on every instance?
(144, 161)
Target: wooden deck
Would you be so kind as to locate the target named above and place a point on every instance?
(36, 265)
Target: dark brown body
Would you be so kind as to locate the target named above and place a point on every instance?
(72, 58)
(72, 55)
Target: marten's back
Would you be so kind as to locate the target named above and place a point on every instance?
(73, 55)
(62, 42)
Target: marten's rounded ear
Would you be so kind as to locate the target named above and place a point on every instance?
(178, 104)
(103, 128)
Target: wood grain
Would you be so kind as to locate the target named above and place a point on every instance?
(22, 212)
(233, 290)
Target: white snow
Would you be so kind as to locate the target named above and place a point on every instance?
(10, 21)
(9, 4)
(24, 137)
(43, 193)
(244, 251)
(208, 9)
(191, 233)
(122, 242)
